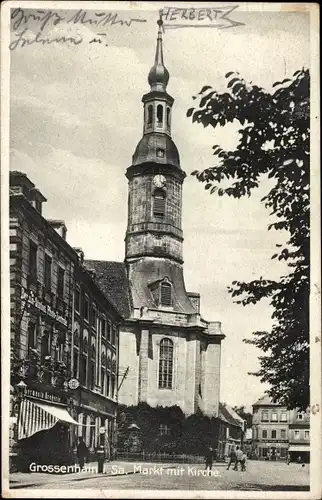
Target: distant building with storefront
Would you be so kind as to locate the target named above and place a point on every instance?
(278, 431)
(64, 336)
(231, 430)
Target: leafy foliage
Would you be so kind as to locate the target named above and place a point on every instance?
(248, 417)
(274, 143)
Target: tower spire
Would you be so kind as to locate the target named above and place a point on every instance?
(159, 75)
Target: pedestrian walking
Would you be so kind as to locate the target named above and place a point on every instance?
(288, 459)
(209, 456)
(232, 458)
(239, 455)
(243, 462)
(82, 452)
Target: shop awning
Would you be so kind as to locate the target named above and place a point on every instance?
(299, 447)
(35, 416)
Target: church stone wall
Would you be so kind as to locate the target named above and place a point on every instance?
(128, 357)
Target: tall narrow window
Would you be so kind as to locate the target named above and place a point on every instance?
(33, 261)
(76, 362)
(86, 309)
(48, 262)
(77, 300)
(31, 335)
(150, 114)
(84, 370)
(165, 294)
(61, 281)
(166, 364)
(159, 115)
(168, 117)
(159, 203)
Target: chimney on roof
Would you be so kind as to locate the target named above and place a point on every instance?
(59, 226)
(80, 254)
(20, 184)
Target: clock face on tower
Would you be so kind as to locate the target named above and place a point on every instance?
(159, 180)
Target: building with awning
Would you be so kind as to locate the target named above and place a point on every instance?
(36, 416)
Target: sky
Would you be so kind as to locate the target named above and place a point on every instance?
(76, 117)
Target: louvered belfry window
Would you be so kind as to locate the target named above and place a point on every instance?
(166, 364)
(165, 294)
(159, 203)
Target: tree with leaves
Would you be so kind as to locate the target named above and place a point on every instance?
(273, 143)
(245, 415)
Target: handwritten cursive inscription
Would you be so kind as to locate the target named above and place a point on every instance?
(101, 19)
(22, 40)
(38, 20)
(214, 17)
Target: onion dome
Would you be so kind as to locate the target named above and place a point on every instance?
(159, 75)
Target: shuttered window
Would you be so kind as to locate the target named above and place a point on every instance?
(159, 203)
(166, 364)
(165, 294)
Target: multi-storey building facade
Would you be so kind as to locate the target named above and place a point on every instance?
(278, 431)
(299, 435)
(170, 354)
(64, 335)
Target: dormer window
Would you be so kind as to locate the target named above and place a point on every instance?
(165, 293)
(160, 153)
(159, 203)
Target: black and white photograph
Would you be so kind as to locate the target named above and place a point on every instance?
(161, 309)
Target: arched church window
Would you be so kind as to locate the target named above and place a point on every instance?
(166, 364)
(159, 115)
(165, 294)
(159, 203)
(168, 117)
(150, 114)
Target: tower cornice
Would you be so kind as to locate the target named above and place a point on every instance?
(153, 168)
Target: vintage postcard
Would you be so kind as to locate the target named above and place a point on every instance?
(160, 183)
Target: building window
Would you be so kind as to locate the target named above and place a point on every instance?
(103, 327)
(296, 434)
(60, 282)
(86, 309)
(166, 364)
(283, 434)
(48, 262)
(150, 114)
(31, 335)
(94, 317)
(283, 416)
(160, 153)
(102, 381)
(165, 294)
(45, 351)
(159, 115)
(274, 417)
(164, 430)
(264, 416)
(300, 415)
(107, 393)
(112, 387)
(92, 374)
(77, 300)
(76, 362)
(273, 434)
(32, 261)
(306, 434)
(109, 328)
(159, 203)
(168, 117)
(114, 335)
(264, 434)
(84, 370)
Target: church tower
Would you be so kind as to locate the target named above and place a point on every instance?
(169, 353)
(155, 177)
